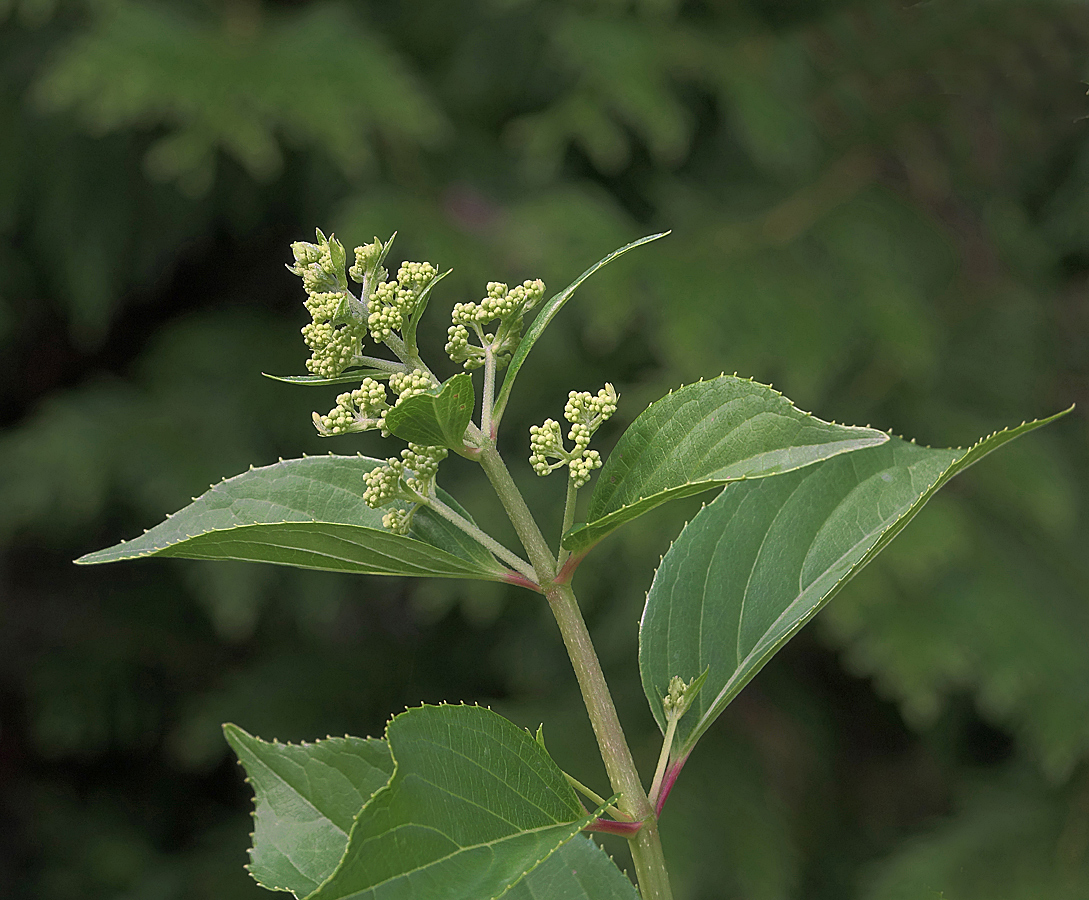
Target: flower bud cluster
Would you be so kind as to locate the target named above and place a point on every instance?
(367, 260)
(409, 384)
(409, 478)
(394, 302)
(363, 409)
(509, 306)
(586, 413)
(334, 335)
(681, 696)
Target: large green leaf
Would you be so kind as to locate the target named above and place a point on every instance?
(474, 804)
(547, 314)
(761, 560)
(579, 870)
(309, 513)
(436, 418)
(306, 797)
(703, 435)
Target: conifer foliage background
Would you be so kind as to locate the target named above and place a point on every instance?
(880, 207)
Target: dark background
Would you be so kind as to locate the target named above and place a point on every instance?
(880, 207)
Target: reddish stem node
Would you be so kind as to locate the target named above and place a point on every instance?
(567, 570)
(668, 780)
(609, 826)
(512, 577)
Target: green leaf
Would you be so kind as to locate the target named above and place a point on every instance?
(474, 804)
(579, 870)
(547, 314)
(761, 560)
(306, 797)
(704, 435)
(308, 513)
(355, 375)
(437, 418)
(409, 332)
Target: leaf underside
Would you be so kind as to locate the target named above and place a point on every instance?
(306, 797)
(761, 560)
(704, 435)
(473, 805)
(308, 513)
(438, 418)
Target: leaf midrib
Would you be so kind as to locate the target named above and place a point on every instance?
(427, 551)
(743, 664)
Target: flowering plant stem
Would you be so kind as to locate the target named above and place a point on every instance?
(646, 846)
(463, 771)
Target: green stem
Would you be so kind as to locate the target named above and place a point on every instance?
(376, 362)
(408, 357)
(646, 846)
(663, 760)
(488, 401)
(568, 519)
(482, 537)
(515, 505)
(595, 798)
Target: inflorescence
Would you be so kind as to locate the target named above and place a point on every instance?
(342, 320)
(586, 413)
(509, 306)
(365, 408)
(409, 479)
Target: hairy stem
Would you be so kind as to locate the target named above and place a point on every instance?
(482, 537)
(663, 760)
(595, 798)
(408, 357)
(646, 846)
(376, 362)
(488, 401)
(515, 505)
(568, 520)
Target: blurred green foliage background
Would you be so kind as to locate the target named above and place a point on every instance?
(880, 207)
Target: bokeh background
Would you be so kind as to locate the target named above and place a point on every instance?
(881, 207)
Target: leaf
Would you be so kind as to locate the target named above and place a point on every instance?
(704, 435)
(354, 375)
(579, 870)
(761, 560)
(409, 332)
(474, 804)
(308, 513)
(547, 314)
(436, 418)
(306, 797)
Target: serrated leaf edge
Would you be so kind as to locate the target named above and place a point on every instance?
(879, 544)
(393, 774)
(696, 487)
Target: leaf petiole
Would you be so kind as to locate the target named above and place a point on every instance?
(482, 537)
(595, 798)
